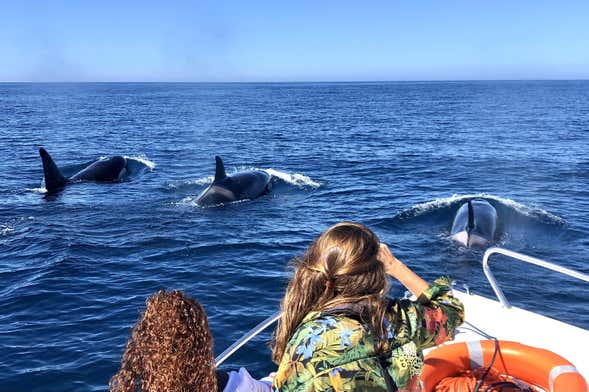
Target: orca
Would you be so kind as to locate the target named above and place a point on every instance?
(245, 185)
(109, 169)
(474, 224)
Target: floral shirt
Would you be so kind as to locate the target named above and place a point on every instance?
(337, 352)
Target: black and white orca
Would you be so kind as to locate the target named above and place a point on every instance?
(475, 224)
(111, 169)
(244, 185)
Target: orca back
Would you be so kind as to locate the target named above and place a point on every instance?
(249, 184)
(104, 170)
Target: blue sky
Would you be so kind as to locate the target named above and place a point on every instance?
(301, 40)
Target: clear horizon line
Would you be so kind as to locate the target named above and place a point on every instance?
(292, 81)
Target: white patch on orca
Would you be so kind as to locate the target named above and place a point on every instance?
(192, 202)
(122, 174)
(460, 237)
(220, 191)
(476, 240)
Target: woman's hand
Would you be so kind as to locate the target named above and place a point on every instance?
(391, 263)
(395, 268)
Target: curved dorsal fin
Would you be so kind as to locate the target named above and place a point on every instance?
(53, 177)
(219, 169)
(470, 217)
(470, 225)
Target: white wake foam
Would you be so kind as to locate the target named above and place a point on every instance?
(532, 211)
(202, 181)
(199, 181)
(296, 179)
(11, 224)
(41, 189)
(5, 229)
(144, 160)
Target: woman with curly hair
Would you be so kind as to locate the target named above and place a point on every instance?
(171, 350)
(339, 331)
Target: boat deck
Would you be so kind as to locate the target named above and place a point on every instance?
(519, 325)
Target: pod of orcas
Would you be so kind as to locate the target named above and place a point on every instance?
(475, 224)
(244, 185)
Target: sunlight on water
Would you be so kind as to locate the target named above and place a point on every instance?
(77, 266)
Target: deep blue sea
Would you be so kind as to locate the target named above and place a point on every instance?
(77, 267)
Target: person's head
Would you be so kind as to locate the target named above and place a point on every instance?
(341, 266)
(170, 349)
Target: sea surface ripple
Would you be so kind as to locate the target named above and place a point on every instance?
(77, 267)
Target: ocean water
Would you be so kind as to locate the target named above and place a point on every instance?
(76, 267)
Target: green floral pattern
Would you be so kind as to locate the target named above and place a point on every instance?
(337, 353)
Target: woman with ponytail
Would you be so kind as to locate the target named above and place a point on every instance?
(339, 331)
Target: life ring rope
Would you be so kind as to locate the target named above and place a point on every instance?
(533, 365)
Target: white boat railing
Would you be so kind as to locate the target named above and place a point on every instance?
(246, 338)
(519, 256)
(527, 259)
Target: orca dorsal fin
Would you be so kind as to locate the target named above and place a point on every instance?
(53, 178)
(219, 169)
(470, 225)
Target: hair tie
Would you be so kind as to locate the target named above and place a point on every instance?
(329, 284)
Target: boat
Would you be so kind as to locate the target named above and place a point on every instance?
(496, 335)
(524, 340)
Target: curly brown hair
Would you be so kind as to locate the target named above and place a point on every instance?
(170, 349)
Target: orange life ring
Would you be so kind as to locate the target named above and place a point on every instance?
(532, 365)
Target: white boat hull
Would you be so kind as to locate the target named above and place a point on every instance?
(519, 325)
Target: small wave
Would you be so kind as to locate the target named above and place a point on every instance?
(10, 225)
(203, 180)
(531, 211)
(5, 229)
(296, 179)
(142, 159)
(187, 201)
(199, 181)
